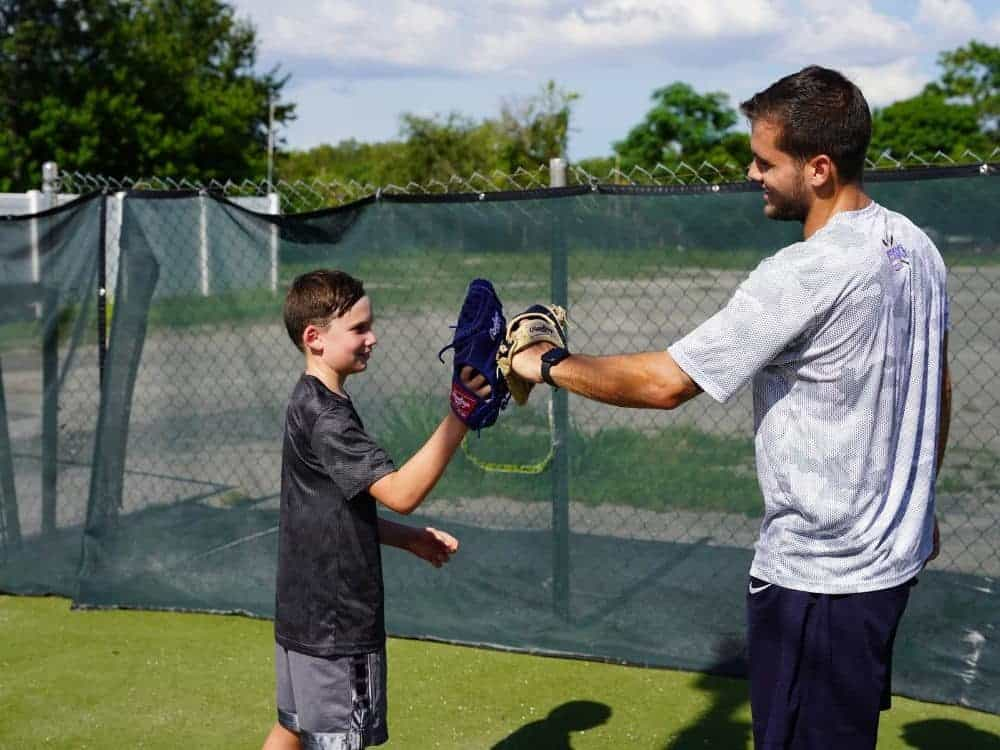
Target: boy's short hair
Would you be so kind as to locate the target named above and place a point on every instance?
(316, 298)
(817, 111)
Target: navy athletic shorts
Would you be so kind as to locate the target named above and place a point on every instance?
(820, 665)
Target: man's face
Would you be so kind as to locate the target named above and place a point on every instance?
(786, 195)
(348, 340)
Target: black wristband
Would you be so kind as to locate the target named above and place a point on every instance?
(549, 360)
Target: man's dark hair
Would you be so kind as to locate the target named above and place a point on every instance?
(817, 111)
(316, 298)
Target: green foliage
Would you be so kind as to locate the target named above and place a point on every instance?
(536, 129)
(925, 125)
(528, 132)
(684, 125)
(365, 163)
(670, 468)
(162, 87)
(954, 114)
(972, 75)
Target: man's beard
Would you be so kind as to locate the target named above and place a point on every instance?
(791, 206)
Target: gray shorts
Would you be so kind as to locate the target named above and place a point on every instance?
(332, 703)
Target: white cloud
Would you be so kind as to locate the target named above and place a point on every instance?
(948, 16)
(458, 37)
(884, 84)
(852, 31)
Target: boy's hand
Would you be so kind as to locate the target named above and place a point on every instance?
(434, 546)
(476, 382)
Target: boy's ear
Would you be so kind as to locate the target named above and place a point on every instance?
(311, 339)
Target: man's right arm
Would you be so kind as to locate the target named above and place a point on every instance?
(648, 380)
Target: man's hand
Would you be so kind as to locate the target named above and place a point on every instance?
(434, 546)
(528, 362)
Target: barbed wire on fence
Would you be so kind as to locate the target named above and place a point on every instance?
(309, 195)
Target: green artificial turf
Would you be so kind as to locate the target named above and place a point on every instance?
(124, 679)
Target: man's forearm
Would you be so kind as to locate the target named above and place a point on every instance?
(650, 380)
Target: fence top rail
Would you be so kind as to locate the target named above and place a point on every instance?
(322, 202)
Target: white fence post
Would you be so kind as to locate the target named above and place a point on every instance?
(274, 207)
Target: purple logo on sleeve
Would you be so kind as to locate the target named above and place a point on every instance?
(896, 253)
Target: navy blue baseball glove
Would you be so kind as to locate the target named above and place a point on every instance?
(478, 335)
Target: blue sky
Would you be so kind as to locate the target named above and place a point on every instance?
(355, 65)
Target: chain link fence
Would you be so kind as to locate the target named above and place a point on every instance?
(299, 196)
(638, 509)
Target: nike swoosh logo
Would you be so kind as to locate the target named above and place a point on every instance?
(758, 589)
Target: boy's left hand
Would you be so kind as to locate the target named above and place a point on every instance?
(434, 546)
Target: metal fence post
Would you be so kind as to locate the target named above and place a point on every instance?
(560, 422)
(274, 207)
(49, 310)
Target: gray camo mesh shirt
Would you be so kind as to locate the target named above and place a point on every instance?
(842, 337)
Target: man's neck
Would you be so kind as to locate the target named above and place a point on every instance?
(849, 197)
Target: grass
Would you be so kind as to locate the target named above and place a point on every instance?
(446, 273)
(85, 679)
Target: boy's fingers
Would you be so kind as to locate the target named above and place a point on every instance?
(475, 381)
(447, 540)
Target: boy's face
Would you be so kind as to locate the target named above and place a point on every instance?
(346, 344)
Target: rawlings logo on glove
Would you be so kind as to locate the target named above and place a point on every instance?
(537, 323)
(476, 342)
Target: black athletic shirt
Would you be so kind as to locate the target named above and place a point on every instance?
(329, 598)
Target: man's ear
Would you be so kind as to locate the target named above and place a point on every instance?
(820, 172)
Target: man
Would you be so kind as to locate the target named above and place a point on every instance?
(844, 336)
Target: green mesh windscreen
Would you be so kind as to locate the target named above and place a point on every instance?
(634, 539)
(49, 392)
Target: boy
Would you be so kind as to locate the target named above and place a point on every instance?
(329, 619)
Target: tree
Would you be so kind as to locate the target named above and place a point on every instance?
(162, 87)
(527, 133)
(536, 129)
(952, 115)
(438, 148)
(972, 76)
(684, 125)
(925, 125)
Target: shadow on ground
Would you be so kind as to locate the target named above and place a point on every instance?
(720, 726)
(553, 732)
(935, 734)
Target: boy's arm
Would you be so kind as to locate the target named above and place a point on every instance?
(434, 546)
(403, 490)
